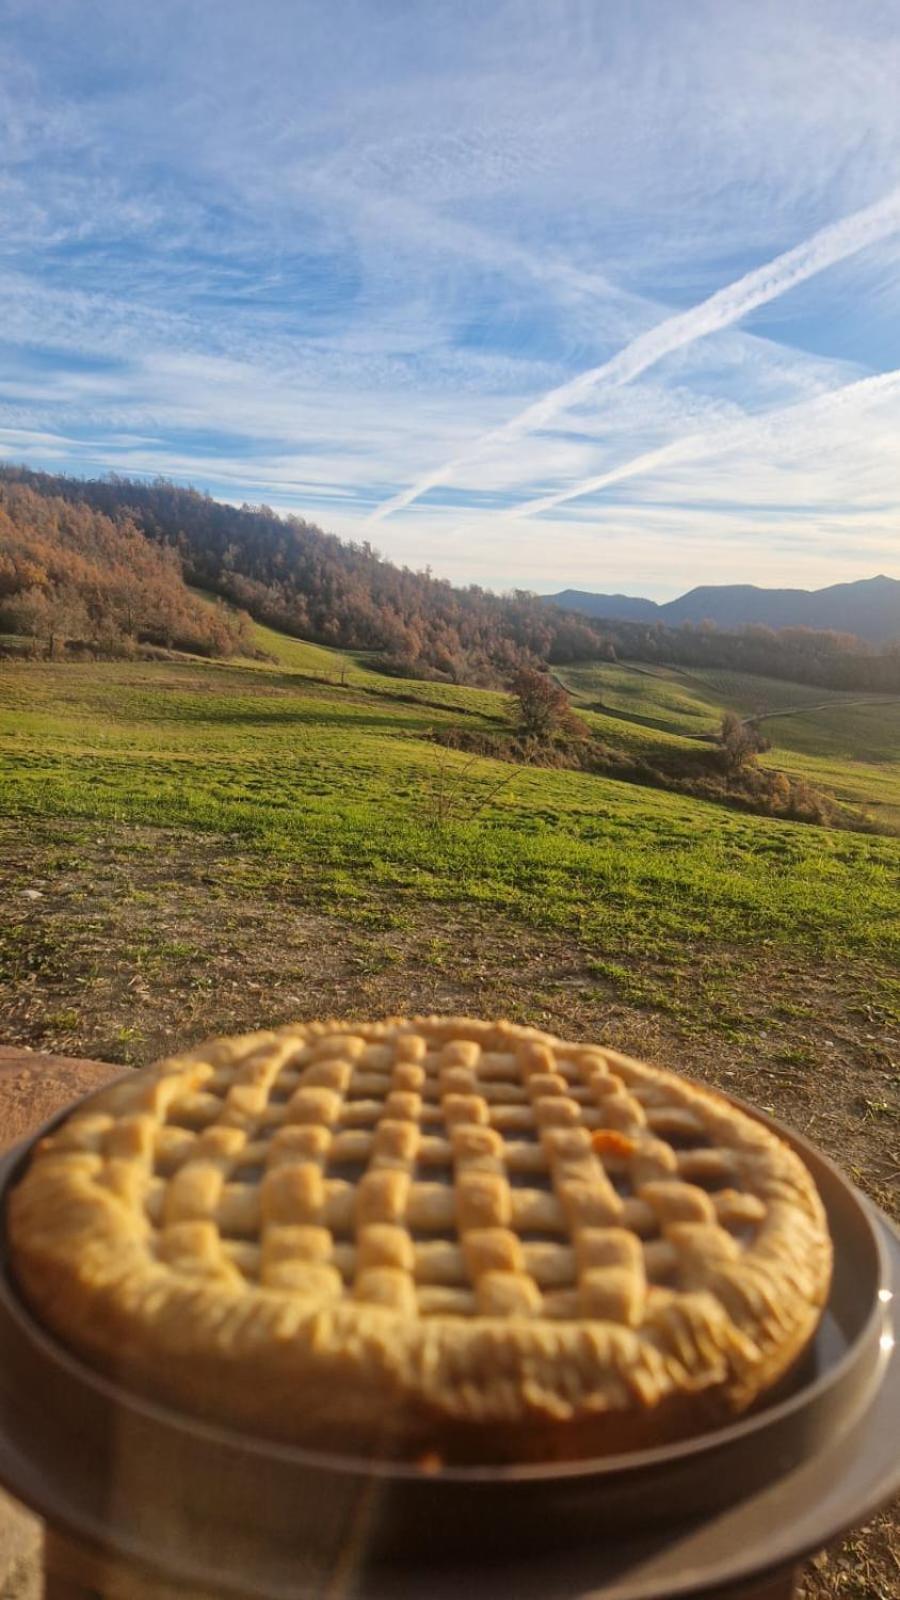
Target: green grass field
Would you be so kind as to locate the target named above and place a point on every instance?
(846, 743)
(342, 782)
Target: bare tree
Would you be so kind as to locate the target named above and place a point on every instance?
(448, 795)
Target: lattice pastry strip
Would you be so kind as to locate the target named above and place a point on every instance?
(295, 1245)
(385, 1258)
(491, 1249)
(498, 1229)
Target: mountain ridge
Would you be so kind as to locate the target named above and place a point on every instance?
(868, 607)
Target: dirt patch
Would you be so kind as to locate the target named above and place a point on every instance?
(126, 943)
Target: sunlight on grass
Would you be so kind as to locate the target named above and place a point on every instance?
(844, 742)
(341, 782)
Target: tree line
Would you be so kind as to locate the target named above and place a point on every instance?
(288, 573)
(823, 658)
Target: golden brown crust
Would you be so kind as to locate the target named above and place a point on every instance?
(423, 1235)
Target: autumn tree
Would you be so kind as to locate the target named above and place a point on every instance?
(542, 706)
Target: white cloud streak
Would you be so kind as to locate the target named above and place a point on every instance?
(752, 432)
(825, 248)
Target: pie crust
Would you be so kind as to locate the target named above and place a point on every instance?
(436, 1239)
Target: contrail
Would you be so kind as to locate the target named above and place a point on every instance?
(824, 249)
(753, 429)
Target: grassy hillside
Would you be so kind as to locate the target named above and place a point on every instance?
(653, 697)
(341, 782)
(355, 669)
(300, 655)
(846, 743)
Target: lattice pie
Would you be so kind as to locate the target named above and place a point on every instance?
(434, 1238)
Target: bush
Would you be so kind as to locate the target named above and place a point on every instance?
(740, 741)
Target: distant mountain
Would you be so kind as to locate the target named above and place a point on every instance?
(869, 608)
(614, 606)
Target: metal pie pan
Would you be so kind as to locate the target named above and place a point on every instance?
(243, 1515)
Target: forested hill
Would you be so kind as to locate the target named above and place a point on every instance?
(70, 575)
(286, 572)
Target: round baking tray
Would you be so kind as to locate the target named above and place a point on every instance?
(240, 1515)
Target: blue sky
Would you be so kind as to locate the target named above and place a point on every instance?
(600, 293)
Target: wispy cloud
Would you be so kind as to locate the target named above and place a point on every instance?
(314, 251)
(722, 309)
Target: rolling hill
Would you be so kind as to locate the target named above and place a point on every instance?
(844, 743)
